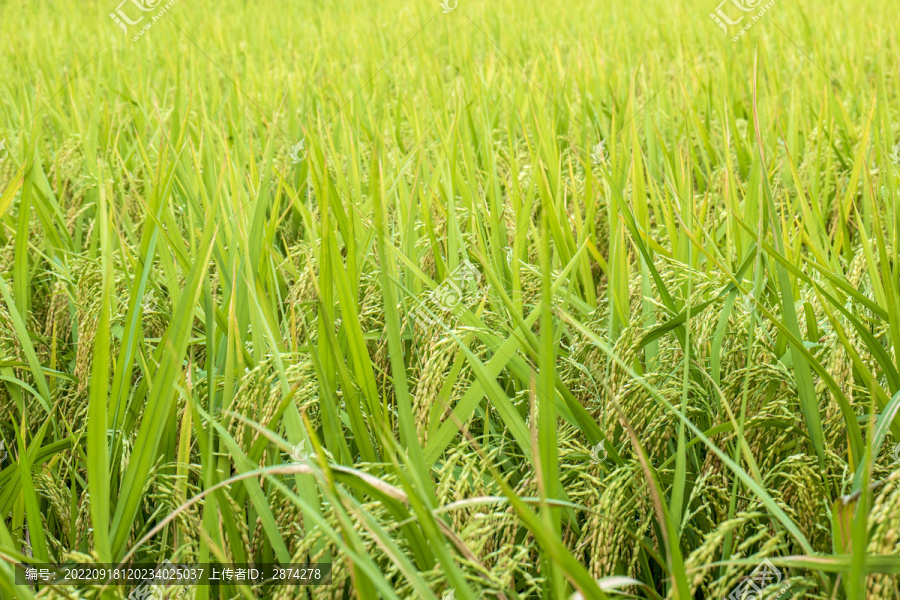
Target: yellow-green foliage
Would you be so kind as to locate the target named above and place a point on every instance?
(679, 356)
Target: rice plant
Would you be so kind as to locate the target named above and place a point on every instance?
(468, 300)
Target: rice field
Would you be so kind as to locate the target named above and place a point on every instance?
(466, 300)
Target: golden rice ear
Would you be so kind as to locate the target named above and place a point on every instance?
(259, 396)
(884, 539)
(799, 487)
